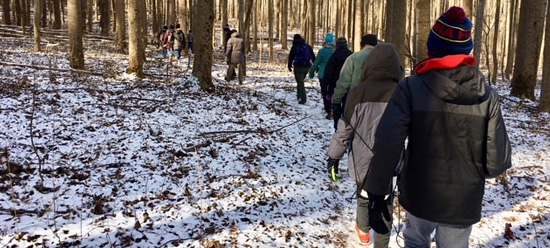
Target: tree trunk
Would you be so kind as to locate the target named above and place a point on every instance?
(284, 25)
(104, 19)
(531, 21)
(90, 15)
(495, 43)
(478, 35)
(6, 12)
(357, 34)
(135, 41)
(311, 21)
(545, 85)
(17, 12)
(23, 15)
(44, 15)
(120, 25)
(512, 27)
(468, 6)
(37, 18)
(270, 28)
(56, 14)
(203, 24)
(76, 50)
(224, 18)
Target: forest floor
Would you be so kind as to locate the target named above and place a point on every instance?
(101, 159)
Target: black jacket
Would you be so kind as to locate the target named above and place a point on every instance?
(292, 55)
(333, 67)
(456, 139)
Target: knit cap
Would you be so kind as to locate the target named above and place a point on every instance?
(451, 34)
(341, 42)
(329, 39)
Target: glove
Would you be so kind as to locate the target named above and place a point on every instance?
(332, 168)
(336, 110)
(328, 97)
(378, 211)
(290, 68)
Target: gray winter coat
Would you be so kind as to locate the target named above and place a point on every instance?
(456, 139)
(364, 107)
(235, 49)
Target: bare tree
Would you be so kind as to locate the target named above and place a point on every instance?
(90, 15)
(531, 24)
(424, 25)
(284, 24)
(203, 24)
(135, 41)
(311, 22)
(478, 34)
(357, 34)
(270, 29)
(496, 30)
(120, 24)
(545, 85)
(396, 24)
(512, 37)
(37, 17)
(76, 48)
(105, 14)
(6, 12)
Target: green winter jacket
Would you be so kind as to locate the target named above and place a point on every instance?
(321, 61)
(350, 74)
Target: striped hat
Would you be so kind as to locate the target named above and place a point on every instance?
(451, 34)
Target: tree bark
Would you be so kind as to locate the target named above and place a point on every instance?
(6, 12)
(531, 24)
(76, 49)
(37, 18)
(120, 25)
(311, 21)
(495, 43)
(512, 27)
(284, 25)
(203, 24)
(270, 28)
(90, 15)
(545, 85)
(478, 35)
(357, 34)
(56, 14)
(105, 14)
(135, 41)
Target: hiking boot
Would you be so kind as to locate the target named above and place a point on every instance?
(328, 116)
(364, 238)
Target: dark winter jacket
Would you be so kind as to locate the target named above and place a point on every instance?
(334, 65)
(364, 107)
(179, 40)
(456, 139)
(235, 49)
(298, 41)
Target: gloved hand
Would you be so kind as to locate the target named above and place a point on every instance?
(328, 97)
(290, 68)
(337, 110)
(332, 168)
(378, 211)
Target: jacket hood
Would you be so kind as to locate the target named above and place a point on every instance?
(462, 85)
(382, 65)
(235, 35)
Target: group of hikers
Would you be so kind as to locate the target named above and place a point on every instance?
(451, 119)
(174, 42)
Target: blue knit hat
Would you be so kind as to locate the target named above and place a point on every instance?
(451, 34)
(329, 39)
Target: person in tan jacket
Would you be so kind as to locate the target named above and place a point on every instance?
(235, 57)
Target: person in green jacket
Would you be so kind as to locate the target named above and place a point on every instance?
(320, 62)
(350, 75)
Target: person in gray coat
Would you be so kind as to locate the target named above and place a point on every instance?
(235, 57)
(365, 104)
(456, 139)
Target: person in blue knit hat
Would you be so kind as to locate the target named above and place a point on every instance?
(456, 140)
(319, 66)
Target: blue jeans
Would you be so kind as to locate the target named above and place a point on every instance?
(417, 234)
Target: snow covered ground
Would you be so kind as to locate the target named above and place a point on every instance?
(111, 161)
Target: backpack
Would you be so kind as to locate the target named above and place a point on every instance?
(303, 56)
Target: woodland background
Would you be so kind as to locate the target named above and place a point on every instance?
(508, 33)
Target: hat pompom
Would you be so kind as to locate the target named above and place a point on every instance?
(456, 15)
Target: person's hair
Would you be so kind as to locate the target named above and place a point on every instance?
(172, 26)
(369, 39)
(178, 25)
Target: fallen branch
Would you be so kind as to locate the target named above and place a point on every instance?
(53, 69)
(258, 130)
(15, 212)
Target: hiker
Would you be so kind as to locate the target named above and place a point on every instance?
(235, 57)
(226, 36)
(168, 41)
(301, 55)
(179, 40)
(160, 38)
(365, 105)
(351, 74)
(190, 41)
(332, 70)
(319, 66)
(456, 139)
